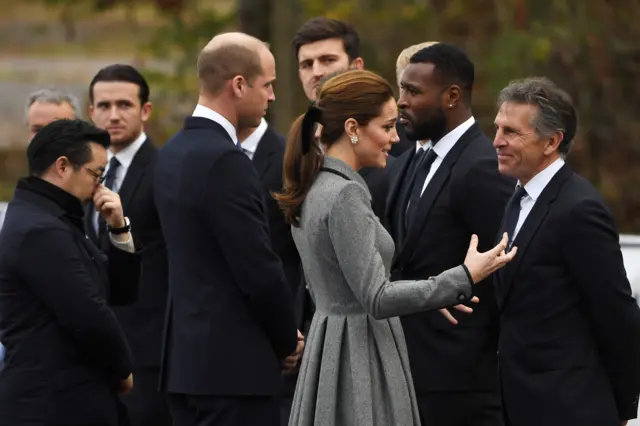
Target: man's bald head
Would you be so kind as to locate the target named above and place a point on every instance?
(229, 55)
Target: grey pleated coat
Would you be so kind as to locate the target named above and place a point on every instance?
(355, 367)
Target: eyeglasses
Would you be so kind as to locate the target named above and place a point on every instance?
(96, 175)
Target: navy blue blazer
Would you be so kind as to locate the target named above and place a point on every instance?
(230, 318)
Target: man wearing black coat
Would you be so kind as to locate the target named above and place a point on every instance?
(265, 147)
(442, 192)
(120, 104)
(230, 327)
(67, 357)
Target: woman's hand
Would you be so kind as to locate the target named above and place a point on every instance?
(481, 265)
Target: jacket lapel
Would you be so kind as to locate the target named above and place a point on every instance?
(89, 211)
(265, 151)
(136, 171)
(528, 231)
(433, 189)
(393, 216)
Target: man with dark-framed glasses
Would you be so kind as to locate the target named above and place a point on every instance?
(67, 358)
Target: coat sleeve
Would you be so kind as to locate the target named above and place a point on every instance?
(352, 229)
(236, 217)
(64, 285)
(594, 260)
(124, 270)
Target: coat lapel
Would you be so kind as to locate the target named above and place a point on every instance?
(89, 211)
(263, 157)
(135, 173)
(394, 198)
(528, 231)
(434, 187)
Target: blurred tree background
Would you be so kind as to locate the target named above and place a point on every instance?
(589, 47)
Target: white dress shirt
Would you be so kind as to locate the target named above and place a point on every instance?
(443, 147)
(250, 143)
(534, 188)
(125, 157)
(204, 112)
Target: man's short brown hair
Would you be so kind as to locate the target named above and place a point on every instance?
(319, 29)
(218, 65)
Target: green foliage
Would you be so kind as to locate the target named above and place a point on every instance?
(179, 39)
(589, 48)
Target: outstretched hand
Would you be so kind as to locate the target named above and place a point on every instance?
(481, 265)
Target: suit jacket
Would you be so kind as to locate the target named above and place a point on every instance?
(377, 181)
(268, 160)
(230, 317)
(142, 321)
(466, 196)
(65, 348)
(570, 329)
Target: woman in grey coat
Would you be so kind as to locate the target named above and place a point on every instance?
(355, 369)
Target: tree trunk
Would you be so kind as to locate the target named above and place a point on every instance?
(283, 23)
(253, 17)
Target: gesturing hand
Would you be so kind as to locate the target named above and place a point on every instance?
(481, 265)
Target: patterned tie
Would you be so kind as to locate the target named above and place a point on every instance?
(109, 180)
(422, 171)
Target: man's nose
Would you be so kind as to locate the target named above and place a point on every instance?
(114, 114)
(318, 70)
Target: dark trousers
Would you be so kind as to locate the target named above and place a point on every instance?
(285, 410)
(145, 405)
(461, 408)
(206, 410)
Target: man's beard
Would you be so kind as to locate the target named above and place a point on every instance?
(432, 129)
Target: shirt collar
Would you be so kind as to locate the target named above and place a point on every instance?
(447, 142)
(540, 181)
(250, 143)
(204, 112)
(421, 144)
(125, 157)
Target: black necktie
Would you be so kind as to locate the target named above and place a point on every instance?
(422, 171)
(110, 177)
(109, 180)
(513, 213)
(417, 159)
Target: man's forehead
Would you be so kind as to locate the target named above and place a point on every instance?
(418, 71)
(110, 90)
(514, 110)
(330, 46)
(49, 111)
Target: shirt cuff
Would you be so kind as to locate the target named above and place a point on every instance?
(127, 246)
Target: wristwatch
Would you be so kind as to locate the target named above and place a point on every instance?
(117, 231)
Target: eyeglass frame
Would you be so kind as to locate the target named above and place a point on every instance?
(99, 176)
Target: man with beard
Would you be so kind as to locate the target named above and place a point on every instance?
(441, 193)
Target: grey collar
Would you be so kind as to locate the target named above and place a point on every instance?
(342, 167)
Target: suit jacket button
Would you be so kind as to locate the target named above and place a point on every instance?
(462, 297)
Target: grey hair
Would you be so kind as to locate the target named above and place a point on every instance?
(556, 112)
(54, 96)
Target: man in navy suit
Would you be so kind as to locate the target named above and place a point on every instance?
(230, 327)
